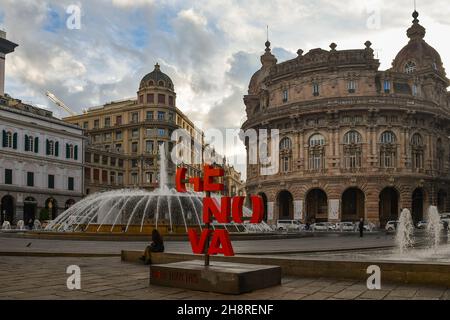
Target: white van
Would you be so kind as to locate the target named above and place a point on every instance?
(289, 225)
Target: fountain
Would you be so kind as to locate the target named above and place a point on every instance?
(37, 225)
(138, 211)
(6, 225)
(20, 225)
(404, 237)
(433, 229)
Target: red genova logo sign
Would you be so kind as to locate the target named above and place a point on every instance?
(230, 209)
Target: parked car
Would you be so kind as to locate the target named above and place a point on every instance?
(333, 226)
(289, 225)
(445, 215)
(423, 224)
(346, 226)
(391, 225)
(320, 226)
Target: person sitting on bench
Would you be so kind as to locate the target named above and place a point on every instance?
(157, 245)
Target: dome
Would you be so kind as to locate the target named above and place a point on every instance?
(267, 60)
(156, 78)
(255, 82)
(417, 54)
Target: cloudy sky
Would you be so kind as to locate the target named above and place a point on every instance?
(209, 48)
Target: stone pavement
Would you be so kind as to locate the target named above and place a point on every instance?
(109, 278)
(272, 246)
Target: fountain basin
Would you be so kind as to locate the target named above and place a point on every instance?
(219, 277)
(132, 211)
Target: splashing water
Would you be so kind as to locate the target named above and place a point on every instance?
(37, 225)
(20, 225)
(163, 167)
(130, 210)
(404, 237)
(433, 229)
(6, 225)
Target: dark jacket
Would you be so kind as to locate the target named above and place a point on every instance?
(361, 225)
(157, 247)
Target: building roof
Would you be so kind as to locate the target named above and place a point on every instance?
(418, 51)
(6, 46)
(17, 106)
(153, 79)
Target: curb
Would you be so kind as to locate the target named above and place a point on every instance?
(143, 238)
(58, 254)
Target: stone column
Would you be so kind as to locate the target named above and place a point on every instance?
(333, 210)
(372, 202)
(19, 207)
(270, 212)
(301, 149)
(407, 152)
(298, 210)
(430, 152)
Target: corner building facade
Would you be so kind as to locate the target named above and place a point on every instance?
(133, 129)
(355, 141)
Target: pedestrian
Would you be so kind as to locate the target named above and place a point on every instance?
(157, 245)
(30, 224)
(361, 227)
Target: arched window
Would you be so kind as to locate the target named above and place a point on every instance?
(285, 144)
(151, 83)
(71, 151)
(388, 137)
(285, 154)
(417, 151)
(352, 137)
(316, 152)
(50, 147)
(352, 149)
(410, 67)
(161, 83)
(388, 150)
(9, 139)
(316, 140)
(29, 143)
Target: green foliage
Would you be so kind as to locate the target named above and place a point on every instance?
(44, 214)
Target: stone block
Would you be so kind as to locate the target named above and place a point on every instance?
(219, 277)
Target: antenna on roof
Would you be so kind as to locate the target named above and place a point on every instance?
(267, 32)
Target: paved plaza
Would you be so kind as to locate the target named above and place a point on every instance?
(109, 278)
(27, 277)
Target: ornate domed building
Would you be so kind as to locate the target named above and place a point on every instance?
(124, 136)
(355, 141)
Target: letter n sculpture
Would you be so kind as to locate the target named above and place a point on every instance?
(223, 211)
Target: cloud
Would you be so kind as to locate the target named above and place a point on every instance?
(210, 49)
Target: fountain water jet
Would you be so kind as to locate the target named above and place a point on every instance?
(6, 225)
(37, 225)
(139, 211)
(20, 225)
(163, 168)
(433, 229)
(404, 237)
